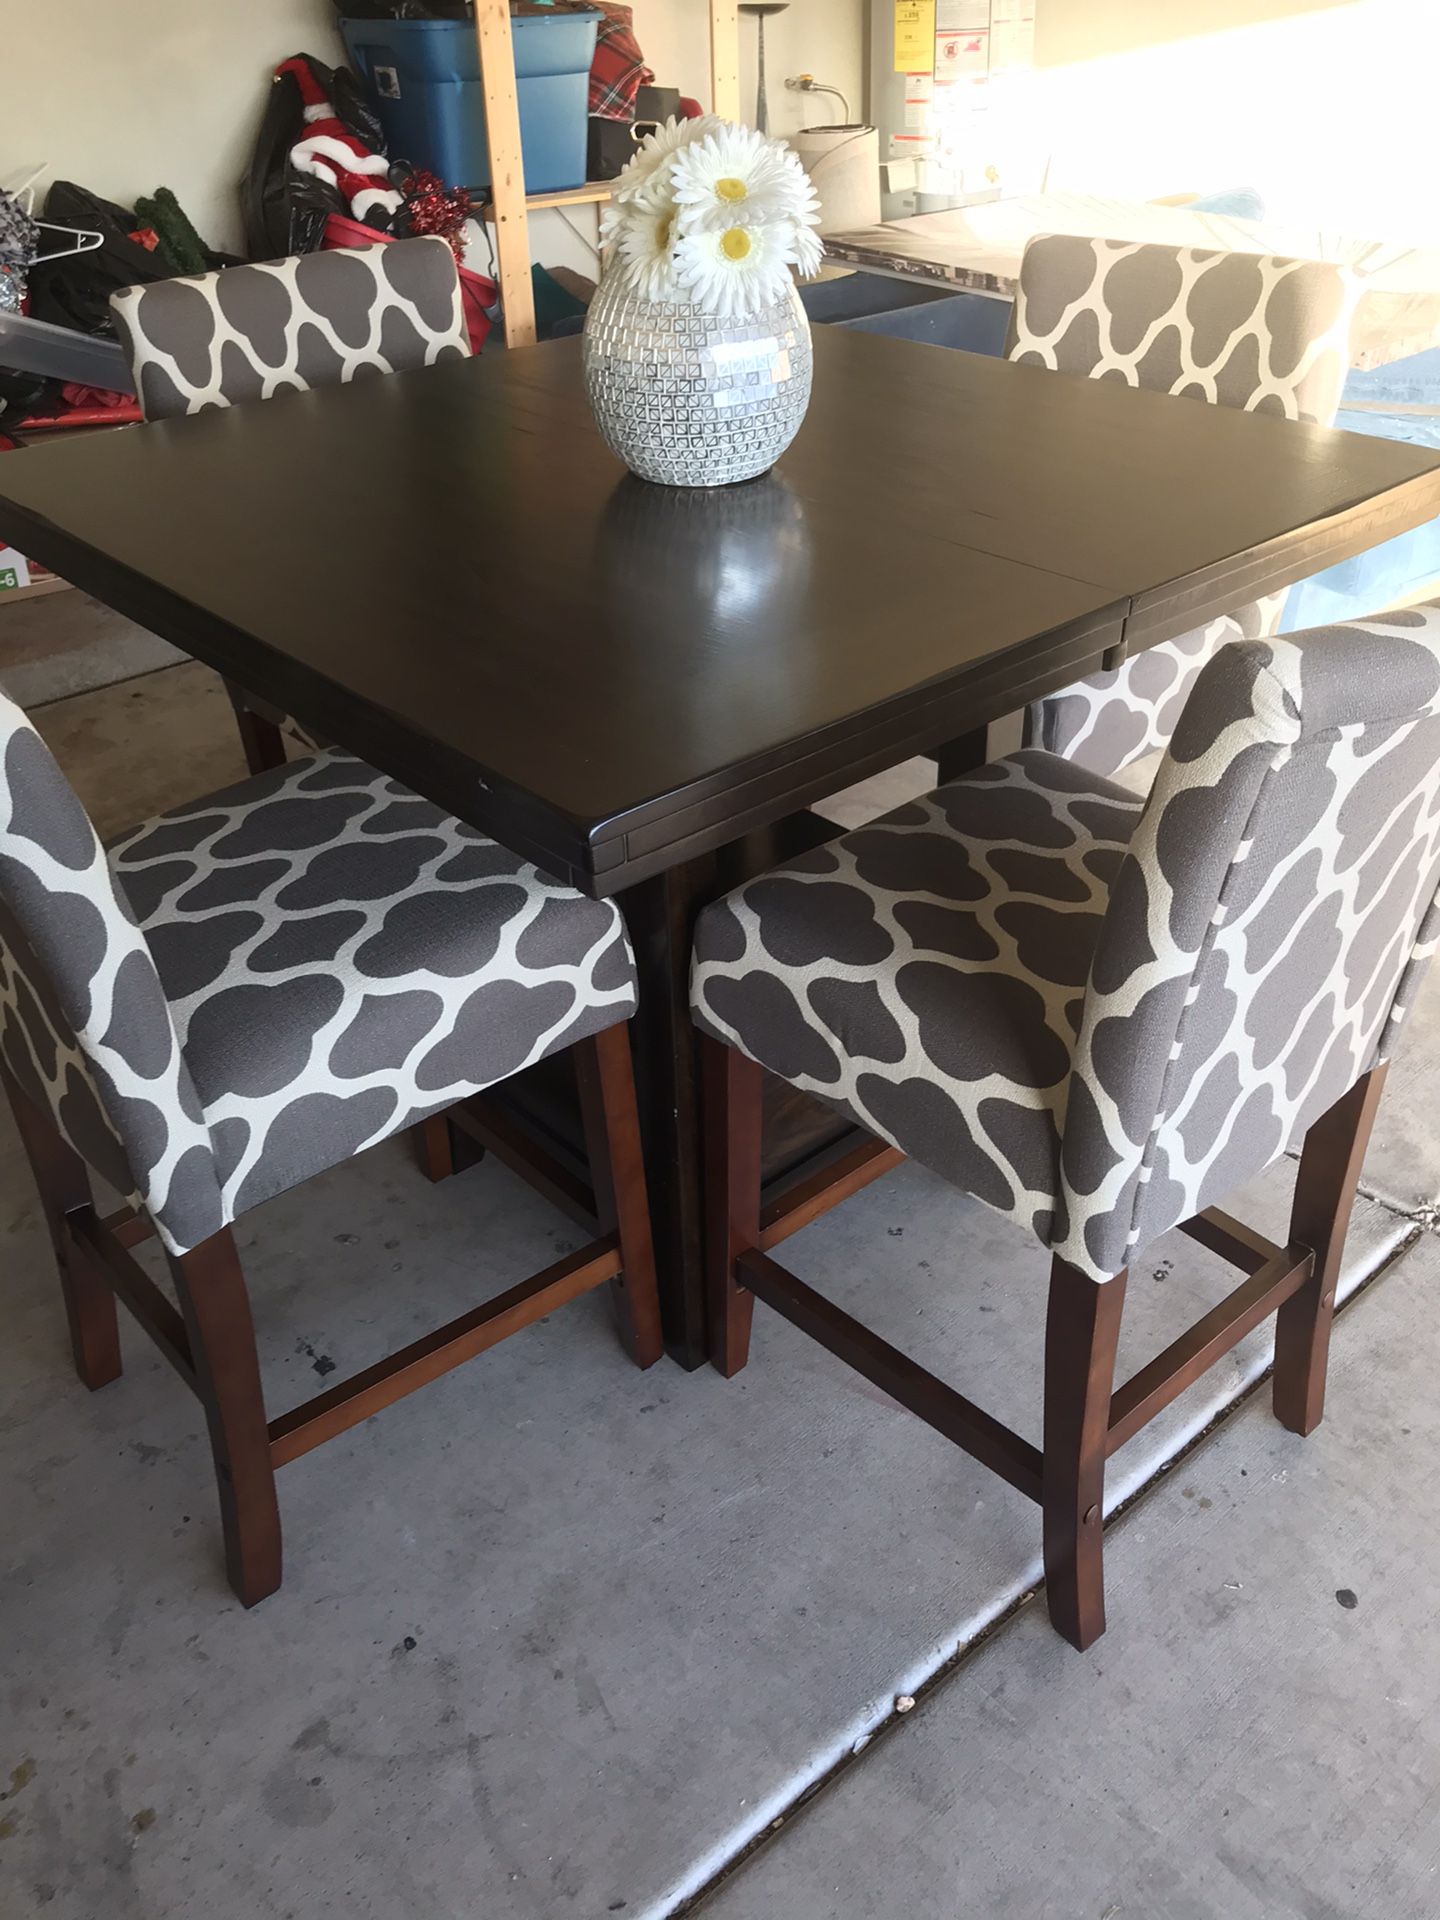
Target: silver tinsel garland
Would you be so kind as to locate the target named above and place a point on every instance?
(19, 245)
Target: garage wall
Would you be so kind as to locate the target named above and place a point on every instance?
(126, 95)
(1327, 106)
(1067, 30)
(826, 38)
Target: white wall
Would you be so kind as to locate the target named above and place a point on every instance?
(1326, 106)
(127, 95)
(826, 38)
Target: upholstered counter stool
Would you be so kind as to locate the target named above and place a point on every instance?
(249, 990)
(1250, 331)
(1100, 1015)
(250, 332)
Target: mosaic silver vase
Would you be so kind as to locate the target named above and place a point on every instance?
(692, 401)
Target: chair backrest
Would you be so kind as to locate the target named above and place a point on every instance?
(1243, 330)
(85, 1029)
(1265, 931)
(246, 333)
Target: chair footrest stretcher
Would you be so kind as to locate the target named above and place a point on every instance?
(1273, 1274)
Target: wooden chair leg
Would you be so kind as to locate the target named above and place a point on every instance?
(64, 1186)
(733, 1095)
(606, 1076)
(1325, 1185)
(435, 1147)
(1082, 1330)
(211, 1290)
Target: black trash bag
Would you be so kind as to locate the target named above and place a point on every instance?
(75, 292)
(284, 210)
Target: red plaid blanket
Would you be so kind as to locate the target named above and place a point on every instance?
(619, 70)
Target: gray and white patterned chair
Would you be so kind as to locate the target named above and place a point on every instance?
(1255, 332)
(251, 989)
(1100, 1015)
(251, 332)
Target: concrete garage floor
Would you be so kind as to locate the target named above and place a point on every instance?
(65, 643)
(560, 1638)
(1256, 1738)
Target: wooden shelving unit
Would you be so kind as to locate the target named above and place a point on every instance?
(593, 193)
(509, 206)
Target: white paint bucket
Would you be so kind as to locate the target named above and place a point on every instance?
(844, 165)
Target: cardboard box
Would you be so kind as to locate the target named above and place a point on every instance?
(14, 570)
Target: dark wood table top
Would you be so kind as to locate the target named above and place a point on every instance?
(448, 572)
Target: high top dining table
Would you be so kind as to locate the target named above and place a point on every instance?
(644, 690)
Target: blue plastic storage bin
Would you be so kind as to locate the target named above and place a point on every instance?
(423, 77)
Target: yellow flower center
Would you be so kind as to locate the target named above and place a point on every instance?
(735, 244)
(731, 189)
(664, 234)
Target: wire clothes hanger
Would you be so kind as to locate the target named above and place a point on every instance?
(82, 239)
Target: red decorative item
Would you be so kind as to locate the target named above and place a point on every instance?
(433, 208)
(619, 70)
(328, 150)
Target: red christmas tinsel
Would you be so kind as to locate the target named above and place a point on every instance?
(432, 207)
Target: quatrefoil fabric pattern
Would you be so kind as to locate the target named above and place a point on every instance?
(84, 1029)
(1255, 332)
(926, 973)
(260, 984)
(320, 320)
(1112, 719)
(1101, 1018)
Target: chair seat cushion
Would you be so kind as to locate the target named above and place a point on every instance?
(342, 958)
(925, 974)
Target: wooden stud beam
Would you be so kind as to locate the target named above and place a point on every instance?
(507, 171)
(593, 193)
(508, 206)
(725, 58)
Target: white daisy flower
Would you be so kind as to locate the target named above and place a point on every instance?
(646, 245)
(612, 224)
(730, 271)
(735, 176)
(646, 175)
(808, 252)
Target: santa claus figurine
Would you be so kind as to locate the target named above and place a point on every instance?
(332, 153)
